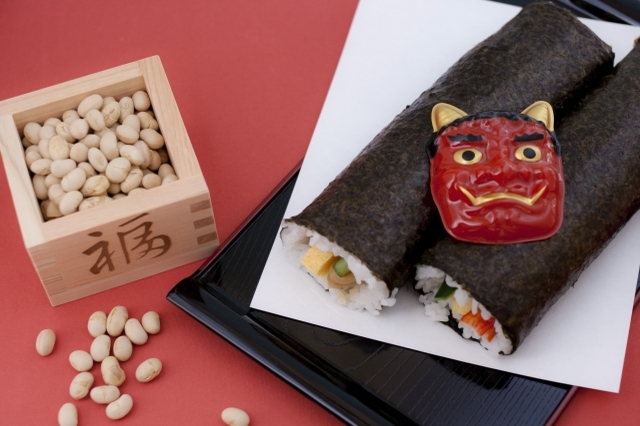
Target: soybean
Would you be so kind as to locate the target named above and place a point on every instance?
(146, 153)
(56, 193)
(45, 342)
(127, 134)
(100, 347)
(95, 186)
(79, 152)
(70, 202)
(43, 148)
(156, 160)
(132, 121)
(97, 323)
(80, 385)
(88, 169)
(91, 202)
(126, 108)
(40, 187)
(68, 415)
(235, 417)
(120, 407)
(79, 128)
(97, 160)
(91, 141)
(105, 394)
(136, 191)
(41, 167)
(96, 120)
(151, 322)
(58, 148)
(166, 169)
(133, 154)
(147, 121)
(122, 348)
(134, 331)
(114, 189)
(116, 320)
(47, 132)
(111, 113)
(70, 116)
(141, 100)
(52, 122)
(152, 138)
(109, 146)
(50, 209)
(81, 360)
(148, 370)
(51, 180)
(112, 374)
(62, 129)
(89, 103)
(132, 181)
(32, 132)
(74, 180)
(60, 168)
(169, 178)
(32, 156)
(118, 169)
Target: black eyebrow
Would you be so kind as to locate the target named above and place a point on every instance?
(529, 137)
(465, 138)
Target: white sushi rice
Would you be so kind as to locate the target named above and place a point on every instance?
(429, 280)
(368, 294)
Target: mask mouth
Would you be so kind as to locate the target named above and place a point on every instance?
(476, 201)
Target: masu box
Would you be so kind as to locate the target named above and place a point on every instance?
(131, 238)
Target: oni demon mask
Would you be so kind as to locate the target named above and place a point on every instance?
(496, 177)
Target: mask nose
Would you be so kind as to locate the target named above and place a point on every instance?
(503, 171)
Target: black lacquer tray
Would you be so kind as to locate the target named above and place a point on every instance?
(361, 381)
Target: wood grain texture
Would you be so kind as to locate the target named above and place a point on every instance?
(53, 101)
(24, 197)
(172, 127)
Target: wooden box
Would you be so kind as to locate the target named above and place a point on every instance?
(131, 238)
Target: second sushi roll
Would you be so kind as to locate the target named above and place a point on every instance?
(497, 294)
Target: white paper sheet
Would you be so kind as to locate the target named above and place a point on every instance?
(395, 50)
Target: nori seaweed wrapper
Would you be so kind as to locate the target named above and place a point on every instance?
(600, 142)
(379, 207)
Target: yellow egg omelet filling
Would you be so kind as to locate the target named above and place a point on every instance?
(460, 310)
(317, 261)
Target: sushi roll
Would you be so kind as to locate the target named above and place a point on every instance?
(360, 237)
(497, 294)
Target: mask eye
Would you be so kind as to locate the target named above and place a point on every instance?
(528, 153)
(467, 156)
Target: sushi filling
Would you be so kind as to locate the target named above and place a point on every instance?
(343, 275)
(444, 298)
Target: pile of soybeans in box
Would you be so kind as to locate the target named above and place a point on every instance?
(104, 150)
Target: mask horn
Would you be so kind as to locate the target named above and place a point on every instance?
(443, 114)
(541, 111)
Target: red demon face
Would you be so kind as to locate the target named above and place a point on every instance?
(497, 179)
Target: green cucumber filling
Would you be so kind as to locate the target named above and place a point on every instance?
(445, 292)
(341, 267)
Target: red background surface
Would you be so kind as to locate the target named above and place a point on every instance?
(250, 78)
